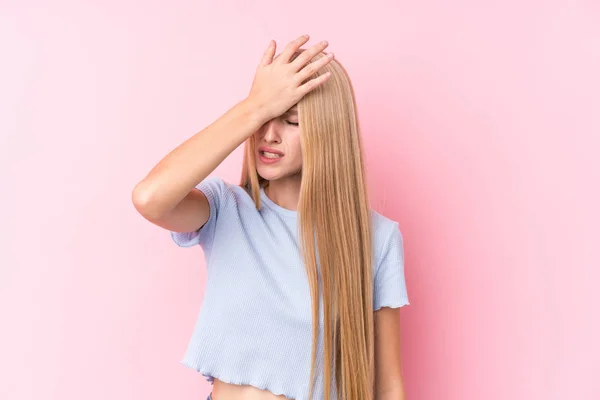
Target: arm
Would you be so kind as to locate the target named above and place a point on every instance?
(389, 384)
(167, 195)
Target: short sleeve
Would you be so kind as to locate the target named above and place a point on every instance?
(389, 283)
(213, 188)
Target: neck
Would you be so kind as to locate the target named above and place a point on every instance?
(284, 192)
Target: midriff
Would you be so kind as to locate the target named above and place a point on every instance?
(229, 391)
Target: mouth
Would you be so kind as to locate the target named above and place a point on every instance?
(270, 155)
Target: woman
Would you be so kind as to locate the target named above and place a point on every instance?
(293, 242)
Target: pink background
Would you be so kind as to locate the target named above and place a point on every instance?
(481, 123)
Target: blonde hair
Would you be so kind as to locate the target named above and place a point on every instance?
(333, 217)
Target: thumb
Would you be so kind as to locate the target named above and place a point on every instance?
(267, 57)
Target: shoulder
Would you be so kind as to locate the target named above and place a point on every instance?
(383, 227)
(385, 231)
(381, 222)
(229, 199)
(220, 189)
(215, 184)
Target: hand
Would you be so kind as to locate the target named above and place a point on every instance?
(277, 83)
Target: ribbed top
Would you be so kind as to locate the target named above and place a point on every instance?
(255, 324)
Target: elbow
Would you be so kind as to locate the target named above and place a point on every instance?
(141, 197)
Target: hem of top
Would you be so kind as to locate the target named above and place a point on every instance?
(392, 305)
(183, 242)
(207, 372)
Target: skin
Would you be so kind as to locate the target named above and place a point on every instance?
(389, 384)
(167, 198)
(283, 134)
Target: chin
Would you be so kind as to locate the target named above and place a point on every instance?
(267, 174)
(278, 175)
(273, 174)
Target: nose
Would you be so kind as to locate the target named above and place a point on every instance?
(271, 133)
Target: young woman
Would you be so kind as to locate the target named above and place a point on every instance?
(304, 280)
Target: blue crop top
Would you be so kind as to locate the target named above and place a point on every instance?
(255, 325)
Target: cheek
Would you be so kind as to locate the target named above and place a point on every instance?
(296, 142)
(297, 146)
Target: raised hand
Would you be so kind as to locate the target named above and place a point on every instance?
(277, 85)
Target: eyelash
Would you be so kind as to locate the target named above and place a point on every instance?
(292, 123)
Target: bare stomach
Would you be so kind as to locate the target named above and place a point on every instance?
(229, 391)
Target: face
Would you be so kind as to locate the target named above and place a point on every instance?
(282, 136)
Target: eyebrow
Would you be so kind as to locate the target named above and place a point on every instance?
(292, 112)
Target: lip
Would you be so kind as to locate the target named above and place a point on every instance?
(270, 150)
(265, 160)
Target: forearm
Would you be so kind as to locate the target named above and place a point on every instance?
(392, 393)
(192, 161)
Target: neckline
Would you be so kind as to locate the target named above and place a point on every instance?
(276, 207)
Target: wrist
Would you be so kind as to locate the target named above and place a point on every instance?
(255, 112)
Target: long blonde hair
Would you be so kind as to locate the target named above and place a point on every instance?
(333, 217)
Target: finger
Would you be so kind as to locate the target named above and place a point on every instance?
(313, 83)
(307, 55)
(267, 57)
(291, 47)
(314, 66)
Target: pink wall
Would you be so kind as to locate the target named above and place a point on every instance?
(481, 122)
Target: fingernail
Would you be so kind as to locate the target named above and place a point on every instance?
(306, 36)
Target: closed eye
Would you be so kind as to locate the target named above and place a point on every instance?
(292, 123)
